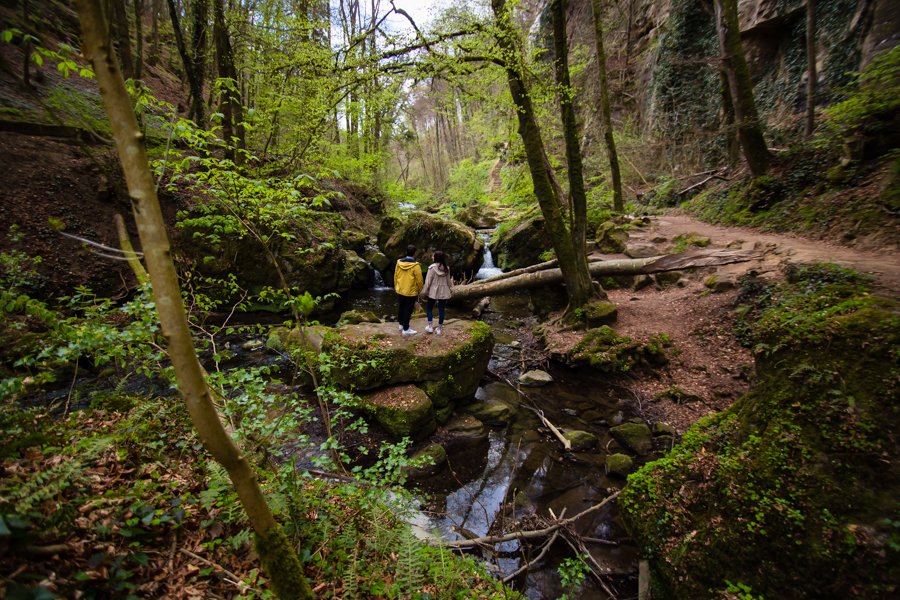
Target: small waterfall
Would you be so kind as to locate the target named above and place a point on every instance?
(379, 285)
(487, 268)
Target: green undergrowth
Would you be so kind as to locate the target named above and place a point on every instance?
(790, 493)
(136, 487)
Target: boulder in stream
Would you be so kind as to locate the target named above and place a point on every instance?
(619, 464)
(636, 437)
(522, 245)
(535, 378)
(433, 457)
(580, 440)
(490, 413)
(403, 410)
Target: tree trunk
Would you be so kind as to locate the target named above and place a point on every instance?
(123, 38)
(750, 133)
(811, 67)
(732, 144)
(605, 110)
(155, 8)
(505, 284)
(277, 555)
(139, 41)
(193, 83)
(233, 123)
(579, 286)
(198, 56)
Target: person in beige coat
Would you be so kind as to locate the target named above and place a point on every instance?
(438, 289)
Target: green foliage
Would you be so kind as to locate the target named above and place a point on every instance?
(872, 99)
(572, 573)
(683, 241)
(467, 184)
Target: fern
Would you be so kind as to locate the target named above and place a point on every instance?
(410, 567)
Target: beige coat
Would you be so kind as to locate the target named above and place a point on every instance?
(438, 285)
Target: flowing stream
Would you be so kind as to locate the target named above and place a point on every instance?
(518, 471)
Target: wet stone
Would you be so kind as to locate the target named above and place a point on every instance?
(434, 457)
(580, 440)
(636, 437)
(619, 464)
(465, 425)
(490, 414)
(535, 378)
(663, 429)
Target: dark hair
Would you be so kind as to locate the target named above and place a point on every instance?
(441, 260)
(410, 250)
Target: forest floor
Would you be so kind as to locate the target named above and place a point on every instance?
(709, 369)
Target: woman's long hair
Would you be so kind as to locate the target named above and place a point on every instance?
(441, 260)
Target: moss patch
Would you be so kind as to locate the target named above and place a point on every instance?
(795, 486)
(607, 351)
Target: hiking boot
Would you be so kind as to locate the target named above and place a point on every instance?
(408, 332)
(429, 328)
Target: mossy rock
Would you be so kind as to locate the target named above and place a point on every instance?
(580, 440)
(403, 410)
(793, 490)
(463, 249)
(607, 351)
(535, 378)
(667, 278)
(718, 284)
(636, 437)
(465, 426)
(433, 457)
(685, 241)
(477, 216)
(356, 273)
(619, 464)
(611, 238)
(598, 312)
(522, 245)
(642, 250)
(354, 317)
(495, 413)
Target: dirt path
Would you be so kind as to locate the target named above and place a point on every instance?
(708, 368)
(883, 265)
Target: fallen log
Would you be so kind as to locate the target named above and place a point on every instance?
(504, 284)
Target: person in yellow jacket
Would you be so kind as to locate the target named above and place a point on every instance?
(407, 284)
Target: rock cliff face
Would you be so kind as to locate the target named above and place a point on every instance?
(663, 62)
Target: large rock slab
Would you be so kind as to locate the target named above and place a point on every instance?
(522, 245)
(367, 356)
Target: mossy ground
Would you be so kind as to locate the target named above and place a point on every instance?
(791, 493)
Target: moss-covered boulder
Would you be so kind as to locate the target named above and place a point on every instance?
(464, 250)
(611, 238)
(580, 440)
(636, 437)
(490, 413)
(477, 216)
(792, 492)
(521, 245)
(354, 317)
(619, 464)
(307, 246)
(597, 313)
(607, 351)
(403, 410)
(367, 356)
(431, 460)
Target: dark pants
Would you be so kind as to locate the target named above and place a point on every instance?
(405, 309)
(430, 307)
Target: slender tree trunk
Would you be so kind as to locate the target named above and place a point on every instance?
(139, 42)
(542, 181)
(605, 110)
(811, 67)
(277, 555)
(123, 38)
(577, 194)
(233, 123)
(198, 56)
(155, 8)
(732, 144)
(26, 46)
(750, 133)
(186, 61)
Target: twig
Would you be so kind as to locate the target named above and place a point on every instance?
(596, 570)
(535, 533)
(536, 560)
(567, 445)
(234, 578)
(702, 183)
(48, 550)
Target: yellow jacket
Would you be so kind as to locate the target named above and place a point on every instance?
(408, 277)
